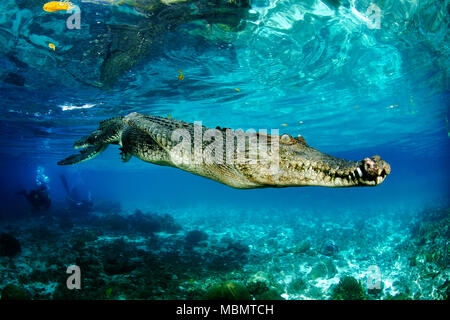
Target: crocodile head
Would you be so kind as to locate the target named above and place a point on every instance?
(301, 165)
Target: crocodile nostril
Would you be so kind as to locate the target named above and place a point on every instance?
(368, 165)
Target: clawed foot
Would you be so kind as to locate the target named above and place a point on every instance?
(125, 156)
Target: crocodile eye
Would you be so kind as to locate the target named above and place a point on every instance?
(285, 138)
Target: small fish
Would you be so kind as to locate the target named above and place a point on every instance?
(54, 6)
(180, 76)
(237, 89)
(169, 117)
(301, 122)
(52, 46)
(393, 106)
(284, 124)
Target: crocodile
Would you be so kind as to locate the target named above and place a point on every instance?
(112, 49)
(228, 156)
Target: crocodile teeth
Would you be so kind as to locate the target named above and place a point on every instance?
(359, 172)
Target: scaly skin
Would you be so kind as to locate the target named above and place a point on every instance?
(151, 139)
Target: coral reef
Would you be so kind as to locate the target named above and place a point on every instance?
(14, 292)
(9, 246)
(196, 236)
(151, 256)
(228, 291)
(330, 248)
(348, 288)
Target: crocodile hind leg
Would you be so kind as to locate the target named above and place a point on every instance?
(84, 155)
(124, 155)
(109, 131)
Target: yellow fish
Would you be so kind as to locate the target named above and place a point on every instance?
(237, 89)
(52, 46)
(180, 76)
(284, 124)
(53, 6)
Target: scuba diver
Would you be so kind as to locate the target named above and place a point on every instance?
(75, 199)
(38, 198)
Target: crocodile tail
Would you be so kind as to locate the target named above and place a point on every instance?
(84, 155)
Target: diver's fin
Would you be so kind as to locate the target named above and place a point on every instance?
(65, 184)
(84, 155)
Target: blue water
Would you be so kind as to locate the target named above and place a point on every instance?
(315, 68)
